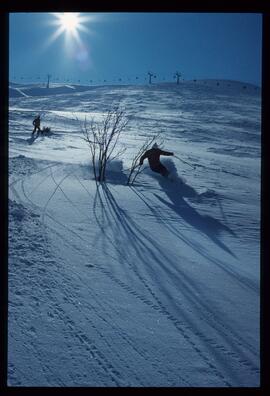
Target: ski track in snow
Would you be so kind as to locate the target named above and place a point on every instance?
(59, 313)
(157, 305)
(215, 352)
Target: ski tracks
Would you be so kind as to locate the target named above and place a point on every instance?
(185, 330)
(155, 303)
(110, 373)
(132, 292)
(188, 331)
(89, 344)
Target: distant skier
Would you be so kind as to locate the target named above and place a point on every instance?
(36, 124)
(153, 158)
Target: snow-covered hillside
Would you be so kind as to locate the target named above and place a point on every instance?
(151, 285)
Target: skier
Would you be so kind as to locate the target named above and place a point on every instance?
(36, 124)
(153, 158)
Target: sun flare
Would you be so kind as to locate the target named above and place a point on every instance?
(73, 27)
(69, 21)
(71, 24)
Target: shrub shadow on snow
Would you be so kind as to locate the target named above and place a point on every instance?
(176, 191)
(138, 251)
(128, 236)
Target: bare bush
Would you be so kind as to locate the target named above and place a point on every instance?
(102, 138)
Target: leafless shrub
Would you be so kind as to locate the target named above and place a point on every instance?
(102, 138)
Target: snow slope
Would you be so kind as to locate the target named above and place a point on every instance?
(151, 285)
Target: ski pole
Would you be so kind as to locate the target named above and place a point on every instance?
(185, 162)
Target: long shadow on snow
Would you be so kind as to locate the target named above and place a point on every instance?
(129, 236)
(196, 246)
(176, 191)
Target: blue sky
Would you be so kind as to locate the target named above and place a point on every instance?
(128, 45)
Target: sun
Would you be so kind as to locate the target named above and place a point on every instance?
(70, 24)
(75, 29)
(69, 21)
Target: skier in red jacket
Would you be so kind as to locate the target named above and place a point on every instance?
(153, 158)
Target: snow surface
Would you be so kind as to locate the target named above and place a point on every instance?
(151, 285)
